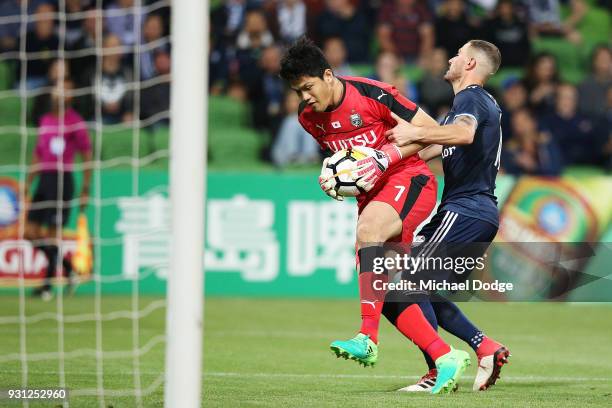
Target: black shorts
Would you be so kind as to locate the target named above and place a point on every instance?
(50, 206)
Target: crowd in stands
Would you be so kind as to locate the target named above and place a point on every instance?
(132, 42)
(548, 124)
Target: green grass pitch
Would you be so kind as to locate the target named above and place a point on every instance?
(274, 353)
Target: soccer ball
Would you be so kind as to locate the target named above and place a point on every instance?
(340, 167)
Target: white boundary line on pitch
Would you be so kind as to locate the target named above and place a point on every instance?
(527, 378)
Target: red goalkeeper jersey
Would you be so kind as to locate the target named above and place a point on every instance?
(361, 119)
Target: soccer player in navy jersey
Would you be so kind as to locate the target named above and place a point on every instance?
(400, 192)
(470, 143)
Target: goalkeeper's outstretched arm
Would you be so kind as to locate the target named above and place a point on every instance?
(421, 119)
(430, 152)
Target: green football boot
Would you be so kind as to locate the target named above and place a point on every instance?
(450, 367)
(360, 348)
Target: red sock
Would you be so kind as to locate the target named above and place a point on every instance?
(413, 324)
(372, 301)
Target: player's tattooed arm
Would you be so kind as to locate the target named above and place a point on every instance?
(460, 132)
(468, 121)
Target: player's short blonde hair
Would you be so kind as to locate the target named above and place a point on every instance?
(490, 52)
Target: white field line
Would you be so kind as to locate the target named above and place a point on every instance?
(222, 374)
(528, 378)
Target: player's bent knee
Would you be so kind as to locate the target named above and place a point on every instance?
(369, 232)
(364, 233)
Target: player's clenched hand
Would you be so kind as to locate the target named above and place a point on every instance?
(404, 133)
(328, 184)
(369, 170)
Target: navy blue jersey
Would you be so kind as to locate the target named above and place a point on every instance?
(470, 170)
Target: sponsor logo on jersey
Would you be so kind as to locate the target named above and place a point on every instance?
(336, 124)
(356, 119)
(448, 151)
(366, 139)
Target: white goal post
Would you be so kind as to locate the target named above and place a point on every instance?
(188, 129)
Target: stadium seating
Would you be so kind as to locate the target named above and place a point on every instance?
(230, 134)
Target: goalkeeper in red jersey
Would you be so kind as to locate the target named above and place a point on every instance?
(351, 112)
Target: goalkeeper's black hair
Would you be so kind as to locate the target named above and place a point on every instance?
(303, 58)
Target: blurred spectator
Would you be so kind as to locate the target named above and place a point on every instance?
(83, 67)
(122, 20)
(226, 21)
(405, 28)
(514, 97)
(155, 99)
(434, 6)
(335, 53)
(42, 102)
(152, 43)
(594, 88)
(341, 18)
(577, 135)
(254, 37)
(43, 41)
(59, 69)
(237, 91)
(452, 27)
(293, 145)
(542, 78)
(115, 95)
(266, 93)
(436, 95)
(291, 20)
(388, 69)
(255, 33)
(74, 26)
(545, 19)
(509, 32)
(10, 31)
(530, 151)
(218, 68)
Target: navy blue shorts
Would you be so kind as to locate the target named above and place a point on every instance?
(449, 226)
(454, 236)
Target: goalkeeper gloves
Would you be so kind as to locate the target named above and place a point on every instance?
(369, 170)
(328, 184)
